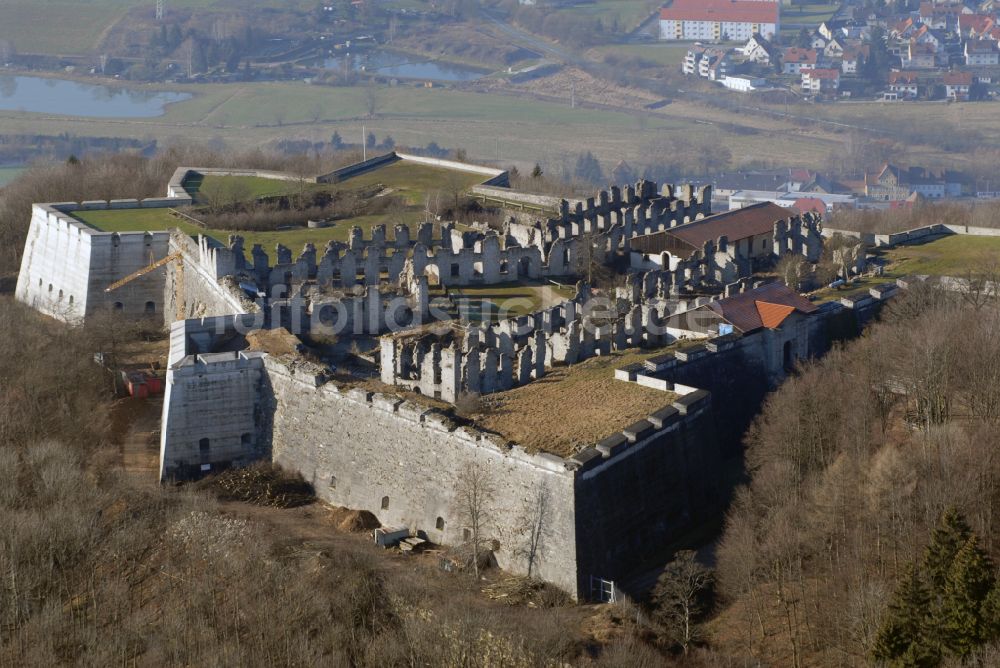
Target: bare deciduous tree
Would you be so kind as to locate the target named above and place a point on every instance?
(474, 496)
(680, 597)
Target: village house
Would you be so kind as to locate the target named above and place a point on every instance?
(760, 50)
(794, 59)
(821, 81)
(975, 26)
(957, 85)
(981, 52)
(942, 16)
(919, 56)
(903, 86)
(854, 59)
(892, 183)
(707, 62)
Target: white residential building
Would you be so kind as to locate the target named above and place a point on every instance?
(719, 20)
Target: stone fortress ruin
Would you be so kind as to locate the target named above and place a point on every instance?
(354, 363)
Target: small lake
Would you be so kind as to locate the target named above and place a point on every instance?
(405, 66)
(72, 98)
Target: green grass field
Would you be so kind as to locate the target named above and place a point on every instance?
(74, 27)
(628, 14)
(666, 54)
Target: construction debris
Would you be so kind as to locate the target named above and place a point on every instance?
(517, 590)
(263, 485)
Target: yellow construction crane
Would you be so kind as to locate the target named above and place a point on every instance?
(177, 257)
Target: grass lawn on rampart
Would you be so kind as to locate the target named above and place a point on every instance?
(412, 181)
(154, 220)
(955, 255)
(409, 180)
(573, 407)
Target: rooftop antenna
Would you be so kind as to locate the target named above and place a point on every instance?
(159, 10)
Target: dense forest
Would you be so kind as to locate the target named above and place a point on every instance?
(867, 530)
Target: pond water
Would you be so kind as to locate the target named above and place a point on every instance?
(404, 66)
(72, 98)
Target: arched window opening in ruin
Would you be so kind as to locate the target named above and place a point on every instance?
(71, 300)
(246, 438)
(466, 534)
(50, 287)
(385, 503)
(523, 267)
(789, 358)
(439, 524)
(60, 295)
(455, 270)
(118, 306)
(116, 240)
(150, 307)
(333, 482)
(477, 270)
(203, 446)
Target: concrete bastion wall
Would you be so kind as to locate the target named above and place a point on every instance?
(67, 265)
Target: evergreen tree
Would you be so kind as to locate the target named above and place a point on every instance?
(803, 40)
(370, 140)
(588, 169)
(963, 623)
(902, 638)
(336, 141)
(537, 171)
(951, 533)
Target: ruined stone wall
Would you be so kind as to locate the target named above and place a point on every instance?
(403, 462)
(210, 283)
